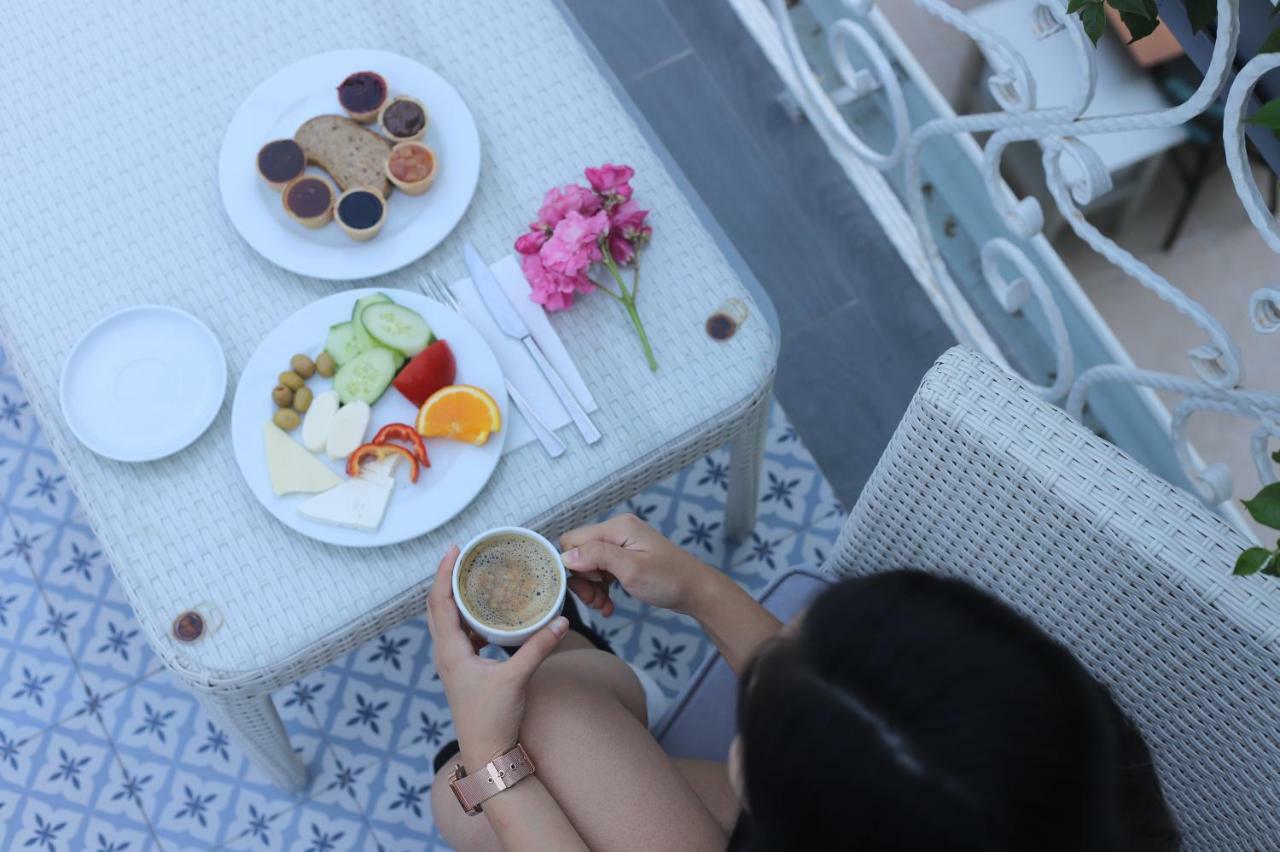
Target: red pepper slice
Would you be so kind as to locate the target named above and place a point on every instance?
(406, 433)
(375, 452)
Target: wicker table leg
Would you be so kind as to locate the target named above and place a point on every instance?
(746, 454)
(255, 724)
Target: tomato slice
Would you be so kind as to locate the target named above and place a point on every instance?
(428, 371)
(407, 434)
(374, 452)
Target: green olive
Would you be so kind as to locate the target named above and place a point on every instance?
(325, 365)
(286, 418)
(302, 400)
(302, 365)
(291, 380)
(282, 396)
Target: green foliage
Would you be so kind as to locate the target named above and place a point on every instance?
(1265, 509)
(1272, 42)
(1201, 13)
(1267, 115)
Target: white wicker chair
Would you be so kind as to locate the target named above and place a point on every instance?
(982, 480)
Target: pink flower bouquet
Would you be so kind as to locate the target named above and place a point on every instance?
(580, 229)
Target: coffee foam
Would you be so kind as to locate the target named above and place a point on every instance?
(509, 582)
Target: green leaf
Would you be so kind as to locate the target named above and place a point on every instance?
(1267, 115)
(1133, 7)
(1139, 27)
(1094, 20)
(1201, 13)
(1272, 42)
(1265, 506)
(1076, 5)
(1272, 568)
(1275, 457)
(1252, 560)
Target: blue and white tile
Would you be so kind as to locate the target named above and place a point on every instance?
(19, 601)
(315, 829)
(41, 487)
(400, 797)
(39, 688)
(427, 726)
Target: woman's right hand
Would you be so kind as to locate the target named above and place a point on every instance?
(651, 568)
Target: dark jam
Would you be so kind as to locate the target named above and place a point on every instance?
(281, 161)
(363, 91)
(404, 118)
(308, 198)
(360, 210)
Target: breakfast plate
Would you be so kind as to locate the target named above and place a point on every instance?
(293, 457)
(143, 383)
(414, 224)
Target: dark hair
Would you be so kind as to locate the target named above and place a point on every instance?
(912, 712)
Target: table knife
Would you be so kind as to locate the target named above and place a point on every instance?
(504, 314)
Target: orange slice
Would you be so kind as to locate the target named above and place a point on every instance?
(461, 412)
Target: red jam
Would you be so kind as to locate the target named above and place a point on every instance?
(411, 163)
(362, 92)
(308, 198)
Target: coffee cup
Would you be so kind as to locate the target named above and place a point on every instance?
(509, 583)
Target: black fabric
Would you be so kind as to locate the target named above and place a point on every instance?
(445, 755)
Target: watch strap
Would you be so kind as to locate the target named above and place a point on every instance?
(495, 776)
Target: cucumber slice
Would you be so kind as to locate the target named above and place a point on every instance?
(344, 344)
(396, 327)
(357, 309)
(365, 376)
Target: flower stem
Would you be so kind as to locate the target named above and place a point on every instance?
(628, 299)
(644, 338)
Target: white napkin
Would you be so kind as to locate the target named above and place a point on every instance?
(516, 363)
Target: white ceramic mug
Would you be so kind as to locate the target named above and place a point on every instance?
(496, 635)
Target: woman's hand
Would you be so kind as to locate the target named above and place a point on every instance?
(643, 560)
(486, 697)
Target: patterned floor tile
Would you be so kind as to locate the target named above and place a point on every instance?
(101, 749)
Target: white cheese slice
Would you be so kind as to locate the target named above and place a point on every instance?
(358, 503)
(346, 430)
(315, 426)
(292, 469)
(382, 467)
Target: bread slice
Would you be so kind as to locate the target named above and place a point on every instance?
(352, 155)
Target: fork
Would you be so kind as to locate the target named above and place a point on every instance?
(432, 287)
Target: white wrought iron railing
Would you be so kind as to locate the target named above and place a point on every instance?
(862, 52)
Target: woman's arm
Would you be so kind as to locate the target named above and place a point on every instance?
(487, 700)
(659, 573)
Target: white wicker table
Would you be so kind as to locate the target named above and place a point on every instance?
(111, 200)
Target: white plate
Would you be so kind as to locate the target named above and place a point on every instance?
(143, 383)
(415, 223)
(458, 471)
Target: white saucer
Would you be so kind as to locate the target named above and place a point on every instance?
(143, 383)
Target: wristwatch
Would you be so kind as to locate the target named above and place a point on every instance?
(497, 775)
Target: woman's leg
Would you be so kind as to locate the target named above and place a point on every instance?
(710, 780)
(585, 730)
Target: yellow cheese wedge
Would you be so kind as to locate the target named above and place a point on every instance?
(291, 467)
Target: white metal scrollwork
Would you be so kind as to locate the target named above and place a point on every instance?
(1015, 281)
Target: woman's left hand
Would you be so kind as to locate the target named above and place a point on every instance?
(486, 697)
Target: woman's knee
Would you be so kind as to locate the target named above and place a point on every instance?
(573, 681)
(462, 832)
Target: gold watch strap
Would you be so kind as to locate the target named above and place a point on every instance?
(495, 776)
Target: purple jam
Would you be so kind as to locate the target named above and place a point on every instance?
(360, 210)
(308, 198)
(281, 161)
(362, 92)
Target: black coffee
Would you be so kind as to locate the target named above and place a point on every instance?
(509, 582)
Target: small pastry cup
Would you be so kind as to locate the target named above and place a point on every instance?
(426, 119)
(319, 220)
(413, 187)
(361, 234)
(370, 115)
(278, 184)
